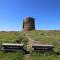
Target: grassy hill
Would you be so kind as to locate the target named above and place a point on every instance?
(12, 37)
(50, 37)
(46, 37)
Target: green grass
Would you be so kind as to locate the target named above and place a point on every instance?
(11, 37)
(11, 55)
(46, 37)
(42, 36)
(44, 56)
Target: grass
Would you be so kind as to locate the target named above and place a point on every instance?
(42, 36)
(12, 37)
(46, 37)
(49, 37)
(44, 56)
(11, 55)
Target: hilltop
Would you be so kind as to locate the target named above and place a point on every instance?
(42, 36)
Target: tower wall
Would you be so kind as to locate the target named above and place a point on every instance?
(29, 24)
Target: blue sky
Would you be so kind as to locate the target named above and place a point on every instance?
(45, 12)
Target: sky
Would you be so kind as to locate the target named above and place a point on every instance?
(45, 12)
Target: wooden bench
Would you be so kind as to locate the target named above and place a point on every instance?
(42, 47)
(12, 47)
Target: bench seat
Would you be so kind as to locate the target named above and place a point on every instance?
(11, 47)
(42, 47)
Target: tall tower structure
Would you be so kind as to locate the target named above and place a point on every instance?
(28, 24)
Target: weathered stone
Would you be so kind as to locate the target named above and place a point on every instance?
(28, 24)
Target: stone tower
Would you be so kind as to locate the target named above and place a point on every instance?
(28, 24)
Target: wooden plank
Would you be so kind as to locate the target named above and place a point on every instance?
(11, 44)
(11, 47)
(42, 47)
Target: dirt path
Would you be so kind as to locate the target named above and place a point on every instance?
(30, 42)
(27, 57)
(29, 45)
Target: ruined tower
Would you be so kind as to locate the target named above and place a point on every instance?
(28, 24)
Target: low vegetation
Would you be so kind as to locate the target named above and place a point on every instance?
(12, 37)
(46, 37)
(42, 36)
(44, 56)
(11, 55)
